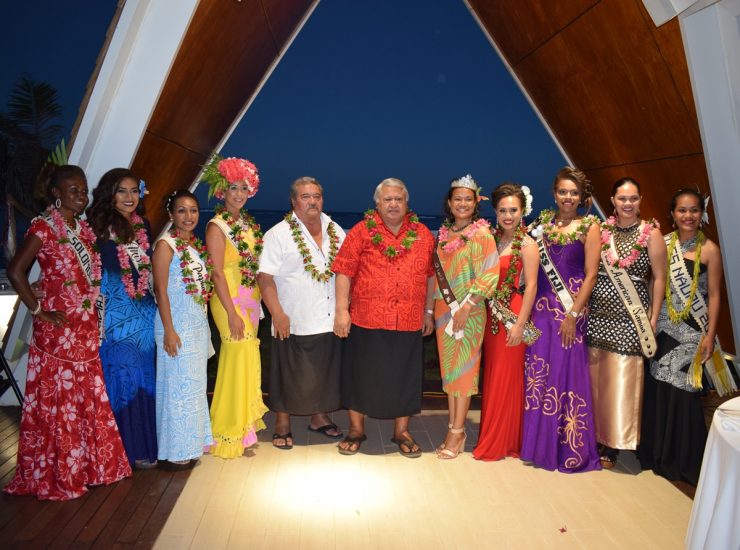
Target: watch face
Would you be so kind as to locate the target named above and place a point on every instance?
(573, 314)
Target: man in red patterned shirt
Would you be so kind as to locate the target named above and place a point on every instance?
(384, 286)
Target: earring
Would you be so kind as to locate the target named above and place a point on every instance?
(58, 203)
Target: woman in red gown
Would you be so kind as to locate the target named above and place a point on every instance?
(502, 408)
(68, 438)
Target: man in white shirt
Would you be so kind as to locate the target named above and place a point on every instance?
(297, 286)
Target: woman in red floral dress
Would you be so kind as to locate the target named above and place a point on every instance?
(69, 438)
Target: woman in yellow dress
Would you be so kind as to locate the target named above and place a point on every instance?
(234, 241)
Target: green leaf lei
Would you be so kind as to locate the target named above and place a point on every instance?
(200, 295)
(376, 237)
(295, 231)
(546, 221)
(248, 259)
(505, 289)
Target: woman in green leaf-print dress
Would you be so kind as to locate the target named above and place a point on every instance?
(467, 254)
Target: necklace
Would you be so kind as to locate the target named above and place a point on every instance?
(144, 266)
(390, 251)
(295, 231)
(87, 237)
(201, 293)
(458, 229)
(688, 244)
(674, 315)
(249, 259)
(547, 226)
(505, 288)
(640, 245)
(469, 230)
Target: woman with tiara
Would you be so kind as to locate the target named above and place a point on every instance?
(558, 417)
(234, 241)
(127, 351)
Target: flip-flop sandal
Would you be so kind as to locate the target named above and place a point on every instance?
(352, 441)
(287, 446)
(410, 444)
(325, 430)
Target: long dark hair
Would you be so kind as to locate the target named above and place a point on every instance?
(102, 215)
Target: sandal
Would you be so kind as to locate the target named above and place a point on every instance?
(607, 462)
(326, 429)
(442, 445)
(285, 446)
(357, 441)
(409, 443)
(446, 453)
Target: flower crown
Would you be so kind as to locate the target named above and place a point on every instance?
(468, 182)
(221, 172)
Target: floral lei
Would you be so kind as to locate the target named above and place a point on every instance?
(679, 316)
(506, 288)
(88, 238)
(144, 267)
(461, 240)
(376, 237)
(249, 259)
(607, 243)
(295, 231)
(545, 225)
(201, 295)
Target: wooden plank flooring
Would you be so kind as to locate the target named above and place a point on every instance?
(312, 497)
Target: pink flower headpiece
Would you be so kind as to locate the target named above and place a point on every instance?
(221, 172)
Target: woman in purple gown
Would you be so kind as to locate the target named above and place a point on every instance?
(558, 417)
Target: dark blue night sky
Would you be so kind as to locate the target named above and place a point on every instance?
(368, 90)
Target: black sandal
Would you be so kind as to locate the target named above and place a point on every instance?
(409, 444)
(352, 441)
(325, 430)
(287, 446)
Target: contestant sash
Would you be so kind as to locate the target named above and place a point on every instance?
(224, 227)
(631, 301)
(553, 275)
(135, 253)
(85, 259)
(444, 284)
(680, 281)
(195, 264)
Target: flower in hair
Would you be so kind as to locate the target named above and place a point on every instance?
(705, 214)
(529, 199)
(221, 172)
(142, 189)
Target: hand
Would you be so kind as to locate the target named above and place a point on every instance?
(428, 326)
(281, 324)
(171, 343)
(342, 323)
(460, 319)
(57, 318)
(567, 331)
(38, 292)
(236, 326)
(514, 338)
(707, 348)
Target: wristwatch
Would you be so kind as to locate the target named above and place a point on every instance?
(574, 314)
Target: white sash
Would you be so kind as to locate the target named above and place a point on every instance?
(135, 252)
(224, 227)
(680, 281)
(553, 275)
(195, 264)
(85, 259)
(631, 300)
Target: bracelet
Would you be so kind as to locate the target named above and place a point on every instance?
(37, 309)
(429, 311)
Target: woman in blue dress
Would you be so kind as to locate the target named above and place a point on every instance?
(182, 282)
(127, 350)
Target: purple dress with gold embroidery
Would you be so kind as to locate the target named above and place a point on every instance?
(558, 415)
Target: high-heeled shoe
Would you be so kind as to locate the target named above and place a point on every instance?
(447, 453)
(442, 445)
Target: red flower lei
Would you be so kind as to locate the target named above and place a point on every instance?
(377, 238)
(607, 243)
(249, 259)
(201, 295)
(295, 231)
(144, 268)
(87, 237)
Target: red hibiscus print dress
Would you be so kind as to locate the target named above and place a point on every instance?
(69, 438)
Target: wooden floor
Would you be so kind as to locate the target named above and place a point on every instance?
(312, 497)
